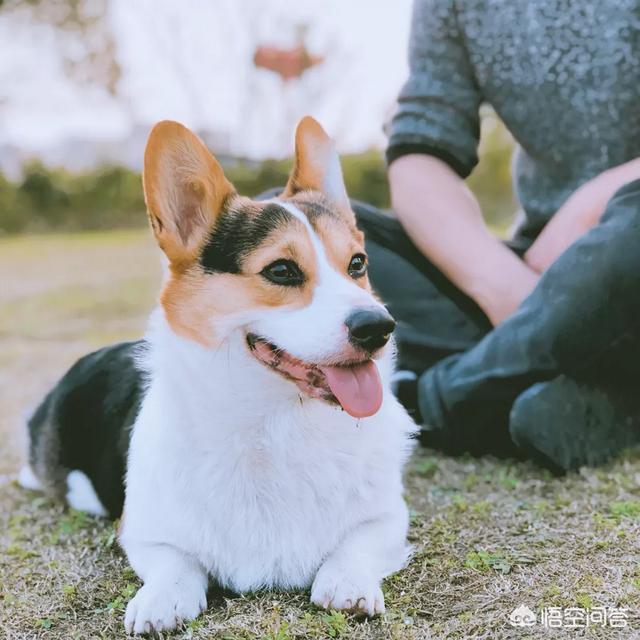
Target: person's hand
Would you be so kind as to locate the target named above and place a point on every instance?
(443, 219)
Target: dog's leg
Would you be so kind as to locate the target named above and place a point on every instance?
(174, 590)
(350, 577)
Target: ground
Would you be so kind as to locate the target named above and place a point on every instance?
(489, 535)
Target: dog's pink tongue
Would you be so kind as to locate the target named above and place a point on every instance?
(358, 389)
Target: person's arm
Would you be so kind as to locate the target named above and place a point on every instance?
(433, 141)
(444, 220)
(578, 214)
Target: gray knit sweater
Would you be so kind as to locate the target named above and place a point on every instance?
(564, 76)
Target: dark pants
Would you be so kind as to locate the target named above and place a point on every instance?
(582, 320)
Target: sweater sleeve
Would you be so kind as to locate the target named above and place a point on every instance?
(438, 107)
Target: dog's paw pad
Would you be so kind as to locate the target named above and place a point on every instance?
(159, 608)
(336, 589)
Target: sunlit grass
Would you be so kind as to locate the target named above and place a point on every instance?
(488, 535)
(73, 285)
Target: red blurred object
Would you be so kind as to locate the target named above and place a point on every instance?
(287, 63)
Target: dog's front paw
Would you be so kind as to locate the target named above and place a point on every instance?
(159, 607)
(338, 588)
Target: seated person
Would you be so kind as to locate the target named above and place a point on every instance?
(529, 346)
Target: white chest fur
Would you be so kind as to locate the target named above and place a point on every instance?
(228, 464)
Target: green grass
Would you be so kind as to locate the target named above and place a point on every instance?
(488, 535)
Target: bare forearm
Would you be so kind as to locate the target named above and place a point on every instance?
(444, 220)
(617, 177)
(582, 210)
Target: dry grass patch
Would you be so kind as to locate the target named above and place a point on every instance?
(489, 535)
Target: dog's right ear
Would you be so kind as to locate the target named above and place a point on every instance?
(316, 165)
(185, 190)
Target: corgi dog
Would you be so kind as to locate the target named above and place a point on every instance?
(251, 436)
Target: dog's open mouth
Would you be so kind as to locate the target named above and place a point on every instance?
(356, 387)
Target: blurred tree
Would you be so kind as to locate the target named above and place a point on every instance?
(111, 197)
(84, 36)
(12, 219)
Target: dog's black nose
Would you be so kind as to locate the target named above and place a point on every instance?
(369, 329)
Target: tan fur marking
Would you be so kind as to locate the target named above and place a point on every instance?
(315, 199)
(341, 242)
(196, 303)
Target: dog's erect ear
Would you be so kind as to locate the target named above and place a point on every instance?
(316, 165)
(184, 187)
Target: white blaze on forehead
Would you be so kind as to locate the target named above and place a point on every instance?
(327, 275)
(317, 331)
(299, 215)
(323, 263)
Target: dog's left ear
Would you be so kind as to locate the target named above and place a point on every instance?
(316, 165)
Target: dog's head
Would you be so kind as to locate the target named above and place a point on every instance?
(290, 273)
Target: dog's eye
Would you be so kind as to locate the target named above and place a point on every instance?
(284, 272)
(358, 266)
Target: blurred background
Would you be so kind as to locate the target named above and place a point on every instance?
(81, 84)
